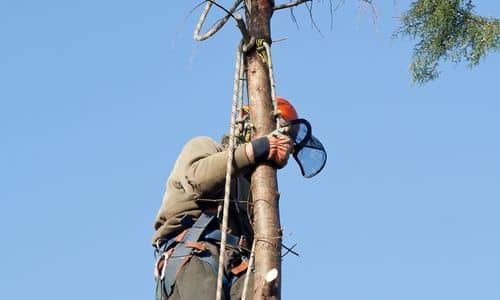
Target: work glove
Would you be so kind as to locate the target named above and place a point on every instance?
(274, 148)
(280, 147)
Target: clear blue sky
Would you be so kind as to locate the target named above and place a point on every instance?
(98, 97)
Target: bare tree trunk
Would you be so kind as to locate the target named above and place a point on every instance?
(264, 183)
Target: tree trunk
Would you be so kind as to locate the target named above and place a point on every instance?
(264, 183)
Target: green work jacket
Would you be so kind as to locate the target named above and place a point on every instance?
(197, 183)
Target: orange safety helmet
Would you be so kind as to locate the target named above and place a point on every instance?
(308, 151)
(286, 109)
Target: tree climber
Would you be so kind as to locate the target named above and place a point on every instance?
(187, 225)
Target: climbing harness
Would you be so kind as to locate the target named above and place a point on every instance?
(174, 253)
(171, 259)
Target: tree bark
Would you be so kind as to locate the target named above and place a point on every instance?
(264, 183)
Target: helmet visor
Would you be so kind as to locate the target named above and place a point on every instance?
(299, 131)
(309, 153)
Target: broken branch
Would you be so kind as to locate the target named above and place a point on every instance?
(290, 4)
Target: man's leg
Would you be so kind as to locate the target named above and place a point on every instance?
(196, 280)
(238, 285)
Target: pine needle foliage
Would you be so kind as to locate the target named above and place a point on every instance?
(447, 30)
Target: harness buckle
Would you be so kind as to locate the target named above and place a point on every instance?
(161, 264)
(166, 256)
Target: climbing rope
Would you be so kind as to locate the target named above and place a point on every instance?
(249, 270)
(269, 59)
(238, 73)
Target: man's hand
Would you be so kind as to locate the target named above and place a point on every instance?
(274, 148)
(280, 146)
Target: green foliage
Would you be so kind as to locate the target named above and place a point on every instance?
(447, 30)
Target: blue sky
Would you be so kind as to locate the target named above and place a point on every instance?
(98, 97)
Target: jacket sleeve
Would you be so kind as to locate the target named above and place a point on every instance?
(206, 169)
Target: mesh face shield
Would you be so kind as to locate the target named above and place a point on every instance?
(308, 152)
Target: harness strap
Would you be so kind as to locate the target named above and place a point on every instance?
(182, 253)
(187, 243)
(200, 247)
(215, 235)
(240, 268)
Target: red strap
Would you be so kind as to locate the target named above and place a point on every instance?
(240, 268)
(181, 235)
(195, 245)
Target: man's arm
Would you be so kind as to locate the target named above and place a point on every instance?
(207, 169)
